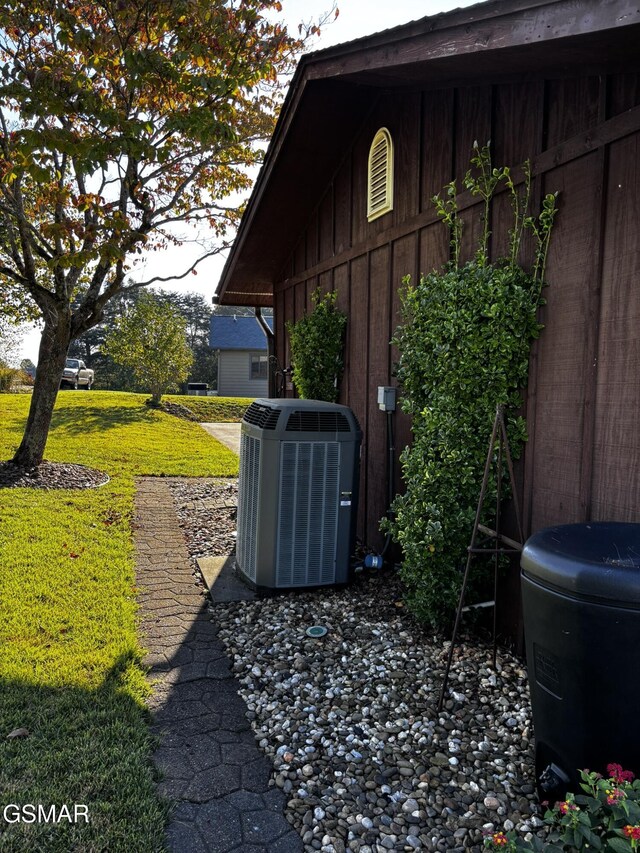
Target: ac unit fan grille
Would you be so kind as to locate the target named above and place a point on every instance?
(248, 493)
(318, 422)
(261, 416)
(308, 513)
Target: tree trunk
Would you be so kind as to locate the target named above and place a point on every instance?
(54, 344)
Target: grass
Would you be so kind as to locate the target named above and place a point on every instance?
(69, 655)
(213, 409)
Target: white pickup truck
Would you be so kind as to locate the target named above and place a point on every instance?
(76, 375)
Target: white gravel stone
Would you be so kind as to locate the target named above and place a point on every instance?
(369, 761)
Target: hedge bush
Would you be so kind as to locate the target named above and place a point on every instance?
(317, 344)
(464, 349)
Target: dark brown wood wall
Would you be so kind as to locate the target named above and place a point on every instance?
(583, 400)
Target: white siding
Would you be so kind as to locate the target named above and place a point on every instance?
(234, 372)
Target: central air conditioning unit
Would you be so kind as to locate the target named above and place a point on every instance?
(297, 493)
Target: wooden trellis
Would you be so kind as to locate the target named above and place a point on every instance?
(502, 544)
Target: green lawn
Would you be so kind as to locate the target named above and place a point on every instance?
(69, 655)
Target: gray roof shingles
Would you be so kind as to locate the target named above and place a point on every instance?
(237, 333)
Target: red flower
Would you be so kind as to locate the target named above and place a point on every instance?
(618, 775)
(614, 795)
(565, 807)
(632, 832)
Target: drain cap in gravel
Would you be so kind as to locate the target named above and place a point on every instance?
(316, 631)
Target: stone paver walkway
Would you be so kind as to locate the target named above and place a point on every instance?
(210, 763)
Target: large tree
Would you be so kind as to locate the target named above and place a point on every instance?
(151, 340)
(193, 307)
(119, 120)
(196, 311)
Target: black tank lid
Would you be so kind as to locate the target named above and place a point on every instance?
(599, 560)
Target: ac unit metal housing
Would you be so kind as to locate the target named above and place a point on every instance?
(297, 493)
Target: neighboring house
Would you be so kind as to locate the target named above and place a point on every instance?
(557, 82)
(242, 355)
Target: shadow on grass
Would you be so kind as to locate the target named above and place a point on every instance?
(93, 747)
(86, 419)
(85, 748)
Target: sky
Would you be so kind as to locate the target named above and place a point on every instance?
(356, 18)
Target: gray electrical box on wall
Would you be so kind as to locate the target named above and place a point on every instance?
(386, 398)
(297, 493)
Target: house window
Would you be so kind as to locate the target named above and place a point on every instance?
(380, 183)
(258, 367)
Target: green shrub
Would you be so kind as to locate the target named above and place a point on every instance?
(317, 343)
(8, 376)
(464, 349)
(25, 378)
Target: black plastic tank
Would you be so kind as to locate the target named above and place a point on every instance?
(581, 607)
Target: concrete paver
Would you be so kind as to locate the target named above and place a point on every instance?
(227, 434)
(222, 581)
(210, 764)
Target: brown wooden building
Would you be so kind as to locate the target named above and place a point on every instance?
(556, 82)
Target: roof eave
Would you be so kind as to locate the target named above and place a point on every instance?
(446, 38)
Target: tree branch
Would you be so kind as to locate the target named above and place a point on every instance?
(163, 280)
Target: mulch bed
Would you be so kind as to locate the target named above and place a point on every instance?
(51, 475)
(178, 410)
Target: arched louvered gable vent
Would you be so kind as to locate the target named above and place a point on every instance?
(380, 185)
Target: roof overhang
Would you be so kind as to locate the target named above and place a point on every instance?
(333, 90)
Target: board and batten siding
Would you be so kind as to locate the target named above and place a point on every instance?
(234, 375)
(582, 405)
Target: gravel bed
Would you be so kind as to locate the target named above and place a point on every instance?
(350, 719)
(207, 514)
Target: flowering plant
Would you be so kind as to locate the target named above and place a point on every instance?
(606, 818)
(501, 841)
